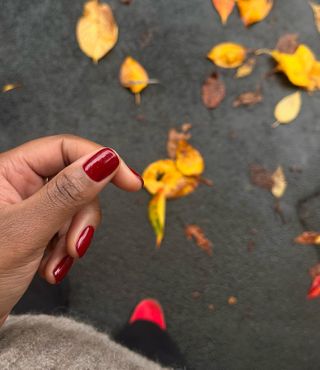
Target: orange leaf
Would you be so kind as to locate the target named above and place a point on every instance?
(252, 11)
(189, 160)
(314, 290)
(308, 237)
(97, 30)
(224, 8)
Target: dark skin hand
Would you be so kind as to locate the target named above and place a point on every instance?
(49, 207)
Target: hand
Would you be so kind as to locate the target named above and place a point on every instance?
(47, 224)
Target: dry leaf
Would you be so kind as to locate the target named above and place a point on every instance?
(189, 161)
(316, 12)
(9, 87)
(252, 11)
(175, 136)
(97, 31)
(287, 109)
(308, 237)
(213, 91)
(248, 98)
(288, 43)
(227, 55)
(224, 8)
(232, 300)
(157, 214)
(301, 68)
(261, 177)
(279, 182)
(246, 69)
(133, 76)
(194, 231)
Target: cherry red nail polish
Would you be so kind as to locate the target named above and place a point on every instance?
(138, 175)
(62, 268)
(84, 240)
(101, 165)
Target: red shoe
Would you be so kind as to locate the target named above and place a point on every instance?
(149, 310)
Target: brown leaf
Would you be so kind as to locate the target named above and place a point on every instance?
(251, 245)
(196, 294)
(174, 136)
(308, 237)
(261, 177)
(213, 91)
(195, 232)
(232, 300)
(126, 2)
(248, 98)
(288, 43)
(314, 270)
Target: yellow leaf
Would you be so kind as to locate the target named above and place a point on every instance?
(97, 31)
(163, 174)
(157, 214)
(133, 76)
(252, 11)
(301, 67)
(288, 108)
(246, 69)
(316, 12)
(224, 8)
(227, 55)
(9, 87)
(279, 183)
(188, 159)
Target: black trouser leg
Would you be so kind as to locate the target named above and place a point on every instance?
(149, 340)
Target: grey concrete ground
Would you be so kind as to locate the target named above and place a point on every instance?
(273, 326)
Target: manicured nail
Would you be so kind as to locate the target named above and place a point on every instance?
(62, 269)
(84, 240)
(138, 175)
(102, 164)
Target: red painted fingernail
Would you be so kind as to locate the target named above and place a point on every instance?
(138, 175)
(102, 164)
(84, 240)
(62, 268)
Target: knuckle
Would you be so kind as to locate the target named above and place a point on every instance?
(65, 190)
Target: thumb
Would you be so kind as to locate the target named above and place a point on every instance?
(76, 185)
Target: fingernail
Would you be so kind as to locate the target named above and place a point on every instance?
(84, 240)
(62, 268)
(101, 165)
(138, 175)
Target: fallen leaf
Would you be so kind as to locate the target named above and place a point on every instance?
(251, 245)
(253, 11)
(314, 290)
(316, 12)
(196, 295)
(133, 76)
(279, 183)
(288, 43)
(211, 307)
(301, 67)
(248, 98)
(157, 214)
(194, 231)
(97, 30)
(232, 300)
(174, 136)
(9, 87)
(279, 211)
(314, 270)
(246, 69)
(227, 55)
(224, 8)
(163, 174)
(189, 161)
(213, 91)
(287, 109)
(308, 237)
(261, 177)
(126, 2)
